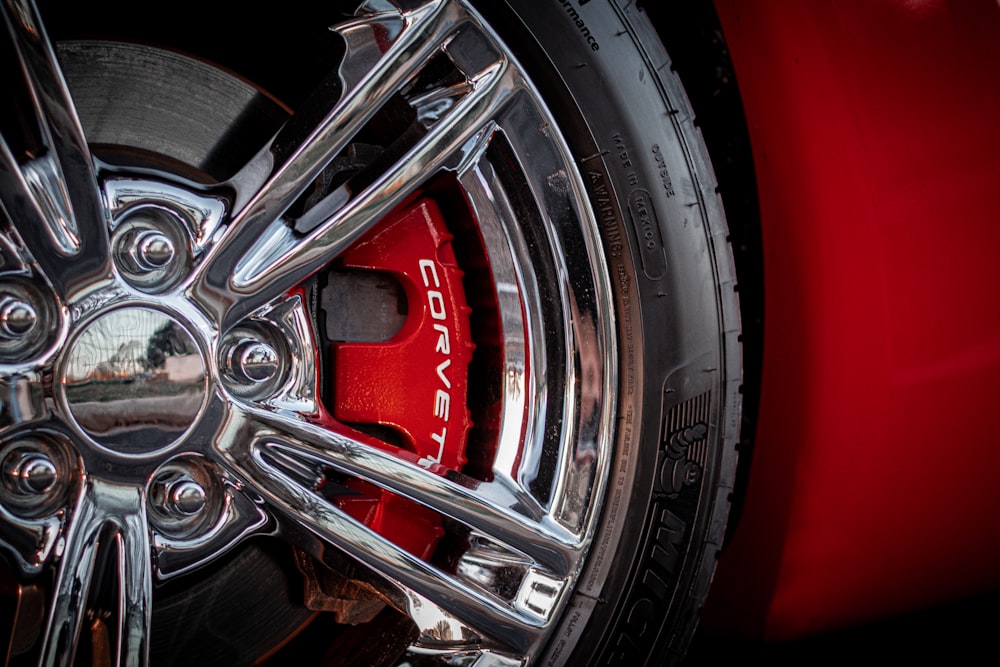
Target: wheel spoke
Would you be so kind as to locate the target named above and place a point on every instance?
(75, 573)
(51, 195)
(271, 182)
(368, 78)
(435, 599)
(136, 587)
(264, 253)
(496, 508)
(28, 543)
(432, 596)
(107, 531)
(286, 258)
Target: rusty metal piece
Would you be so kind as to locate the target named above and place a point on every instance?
(350, 601)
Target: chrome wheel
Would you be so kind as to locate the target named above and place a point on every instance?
(193, 360)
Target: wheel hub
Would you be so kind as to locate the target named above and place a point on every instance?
(134, 380)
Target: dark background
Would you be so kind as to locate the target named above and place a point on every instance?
(966, 632)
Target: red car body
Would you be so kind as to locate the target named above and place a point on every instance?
(875, 130)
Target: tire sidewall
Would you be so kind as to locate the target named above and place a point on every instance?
(628, 123)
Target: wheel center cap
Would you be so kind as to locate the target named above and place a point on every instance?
(134, 380)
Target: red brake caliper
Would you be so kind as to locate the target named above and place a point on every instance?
(416, 382)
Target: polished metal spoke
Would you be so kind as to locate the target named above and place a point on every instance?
(497, 508)
(283, 258)
(51, 194)
(135, 583)
(434, 598)
(107, 527)
(67, 611)
(369, 77)
(278, 175)
(28, 543)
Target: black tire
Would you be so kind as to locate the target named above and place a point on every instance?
(632, 129)
(658, 256)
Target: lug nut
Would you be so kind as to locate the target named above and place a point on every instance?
(28, 318)
(34, 476)
(151, 250)
(258, 361)
(31, 474)
(253, 362)
(179, 497)
(17, 317)
(187, 497)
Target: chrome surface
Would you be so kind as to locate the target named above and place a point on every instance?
(186, 497)
(261, 356)
(168, 405)
(27, 315)
(36, 478)
(152, 246)
(53, 200)
(152, 250)
(17, 317)
(253, 361)
(259, 257)
(108, 521)
(133, 379)
(30, 473)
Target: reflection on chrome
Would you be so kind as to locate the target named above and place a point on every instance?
(134, 376)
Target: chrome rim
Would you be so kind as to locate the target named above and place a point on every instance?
(158, 355)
